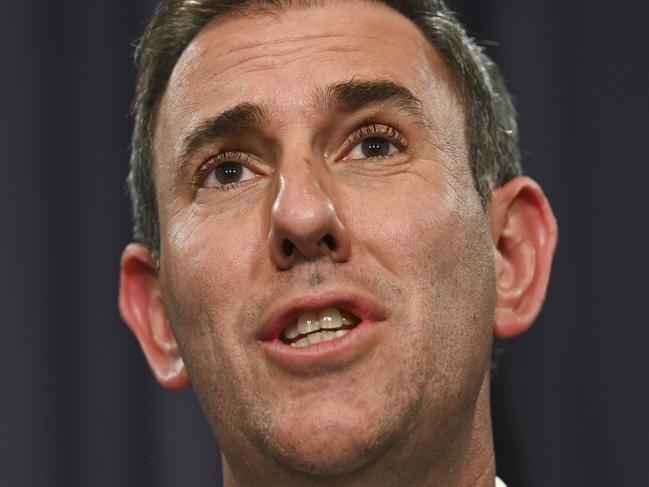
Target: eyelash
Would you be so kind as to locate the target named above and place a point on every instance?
(368, 130)
(213, 162)
(363, 131)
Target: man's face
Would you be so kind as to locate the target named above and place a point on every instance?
(329, 186)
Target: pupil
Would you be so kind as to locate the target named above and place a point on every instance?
(229, 172)
(376, 147)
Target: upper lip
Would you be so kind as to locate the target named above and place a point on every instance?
(360, 304)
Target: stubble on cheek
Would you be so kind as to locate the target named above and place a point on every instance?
(335, 421)
(247, 414)
(459, 333)
(196, 301)
(434, 371)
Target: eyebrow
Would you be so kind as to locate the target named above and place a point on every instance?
(240, 117)
(354, 95)
(348, 96)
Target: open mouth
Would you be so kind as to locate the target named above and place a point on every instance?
(310, 327)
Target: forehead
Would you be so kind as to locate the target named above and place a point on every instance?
(277, 59)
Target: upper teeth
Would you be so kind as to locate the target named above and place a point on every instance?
(307, 323)
(311, 322)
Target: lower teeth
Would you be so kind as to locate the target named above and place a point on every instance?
(318, 337)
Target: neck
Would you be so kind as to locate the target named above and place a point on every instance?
(467, 460)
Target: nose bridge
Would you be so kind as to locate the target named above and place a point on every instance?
(301, 198)
(305, 219)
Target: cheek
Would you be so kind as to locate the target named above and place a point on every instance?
(437, 246)
(205, 256)
(406, 229)
(208, 268)
(207, 272)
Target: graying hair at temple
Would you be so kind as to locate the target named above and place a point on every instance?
(490, 118)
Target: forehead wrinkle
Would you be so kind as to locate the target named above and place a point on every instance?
(204, 50)
(281, 40)
(280, 63)
(275, 54)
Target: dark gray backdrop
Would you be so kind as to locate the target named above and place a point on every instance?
(78, 405)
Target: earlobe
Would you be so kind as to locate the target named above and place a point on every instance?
(524, 233)
(142, 308)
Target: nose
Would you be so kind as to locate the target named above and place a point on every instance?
(304, 222)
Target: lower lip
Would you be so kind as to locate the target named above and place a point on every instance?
(359, 339)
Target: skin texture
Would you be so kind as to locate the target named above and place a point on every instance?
(410, 407)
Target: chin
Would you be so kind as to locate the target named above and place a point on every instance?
(331, 442)
(338, 453)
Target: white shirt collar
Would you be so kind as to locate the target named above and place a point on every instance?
(500, 483)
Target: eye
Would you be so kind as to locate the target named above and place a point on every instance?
(375, 141)
(227, 174)
(371, 148)
(222, 172)
(230, 172)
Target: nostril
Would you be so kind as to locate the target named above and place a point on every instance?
(287, 247)
(329, 241)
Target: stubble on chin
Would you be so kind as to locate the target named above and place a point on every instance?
(249, 416)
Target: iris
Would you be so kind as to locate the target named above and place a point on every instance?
(375, 147)
(228, 173)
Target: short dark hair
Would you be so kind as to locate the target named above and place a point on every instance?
(490, 117)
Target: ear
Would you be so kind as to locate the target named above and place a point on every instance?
(524, 233)
(142, 308)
